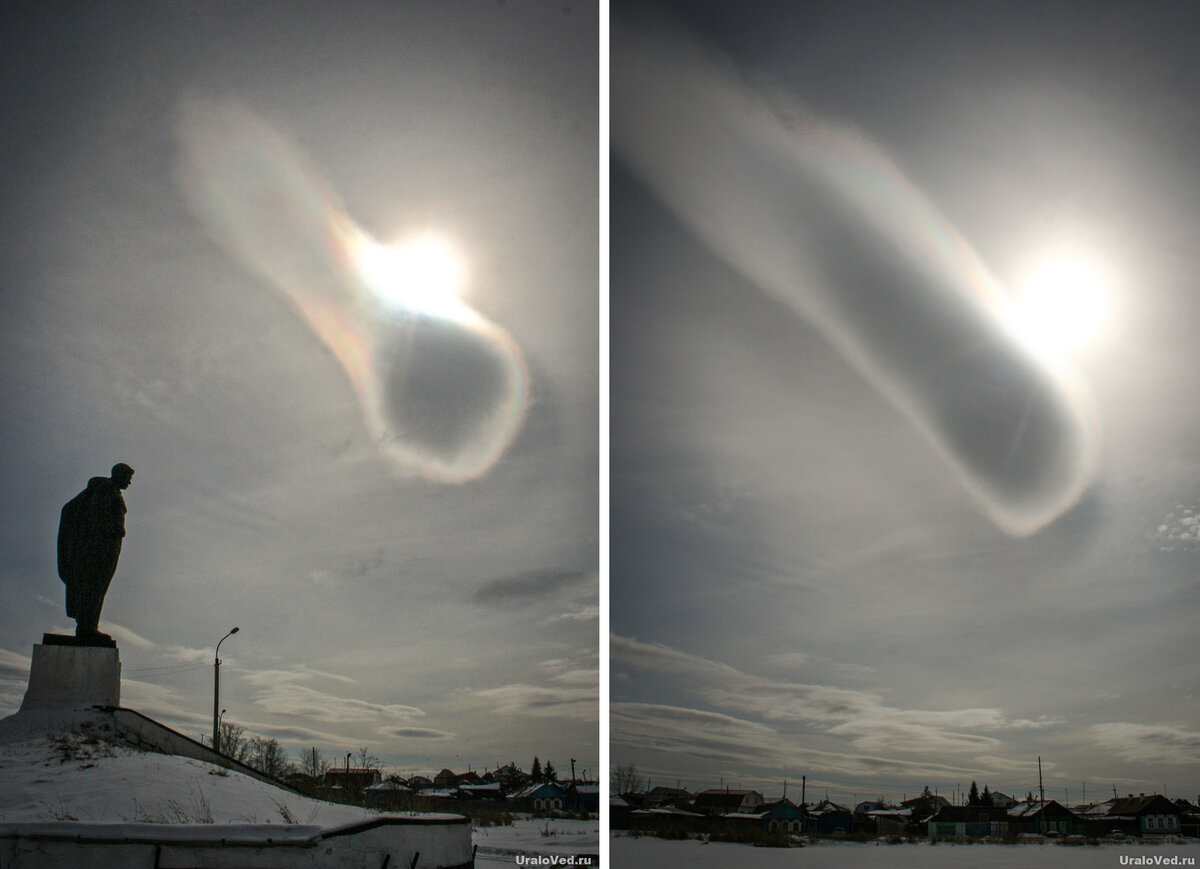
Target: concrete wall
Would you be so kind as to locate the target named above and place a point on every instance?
(147, 734)
(434, 842)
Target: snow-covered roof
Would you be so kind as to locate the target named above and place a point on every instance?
(667, 810)
(388, 785)
(530, 790)
(827, 807)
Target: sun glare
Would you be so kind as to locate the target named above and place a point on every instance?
(1062, 303)
(422, 274)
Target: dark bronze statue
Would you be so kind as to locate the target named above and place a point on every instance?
(90, 531)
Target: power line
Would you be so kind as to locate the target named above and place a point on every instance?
(166, 670)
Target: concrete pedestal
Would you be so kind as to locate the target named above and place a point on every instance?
(73, 677)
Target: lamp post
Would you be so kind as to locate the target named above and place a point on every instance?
(216, 740)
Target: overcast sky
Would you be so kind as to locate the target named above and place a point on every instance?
(438, 623)
(915, 548)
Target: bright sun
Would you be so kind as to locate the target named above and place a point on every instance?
(1062, 303)
(421, 274)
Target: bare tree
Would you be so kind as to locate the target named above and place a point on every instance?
(233, 741)
(625, 779)
(365, 760)
(267, 756)
(312, 764)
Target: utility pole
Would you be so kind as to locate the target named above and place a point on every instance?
(1041, 795)
(216, 739)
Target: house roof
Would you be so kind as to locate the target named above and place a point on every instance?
(724, 799)
(932, 800)
(531, 790)
(388, 785)
(1027, 808)
(1143, 804)
(827, 807)
(661, 791)
(967, 814)
(667, 810)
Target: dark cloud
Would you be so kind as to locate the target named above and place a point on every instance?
(532, 585)
(415, 733)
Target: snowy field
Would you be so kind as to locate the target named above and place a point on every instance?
(649, 853)
(537, 837)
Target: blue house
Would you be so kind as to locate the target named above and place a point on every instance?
(783, 816)
(584, 797)
(969, 822)
(543, 797)
(828, 818)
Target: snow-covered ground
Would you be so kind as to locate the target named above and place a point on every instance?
(529, 837)
(81, 773)
(650, 853)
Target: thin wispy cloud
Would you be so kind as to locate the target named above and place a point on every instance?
(283, 692)
(1149, 743)
(868, 723)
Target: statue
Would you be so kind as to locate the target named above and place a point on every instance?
(90, 530)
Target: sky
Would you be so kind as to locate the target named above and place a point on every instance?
(905, 488)
(393, 497)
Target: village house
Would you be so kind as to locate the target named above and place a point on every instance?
(829, 818)
(661, 796)
(352, 778)
(669, 820)
(723, 801)
(386, 794)
(783, 816)
(888, 821)
(1143, 815)
(968, 822)
(584, 797)
(541, 797)
(1041, 817)
(490, 791)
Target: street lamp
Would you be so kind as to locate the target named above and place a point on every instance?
(216, 740)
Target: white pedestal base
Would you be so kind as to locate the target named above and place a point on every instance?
(73, 677)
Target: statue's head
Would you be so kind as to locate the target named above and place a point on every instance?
(122, 475)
